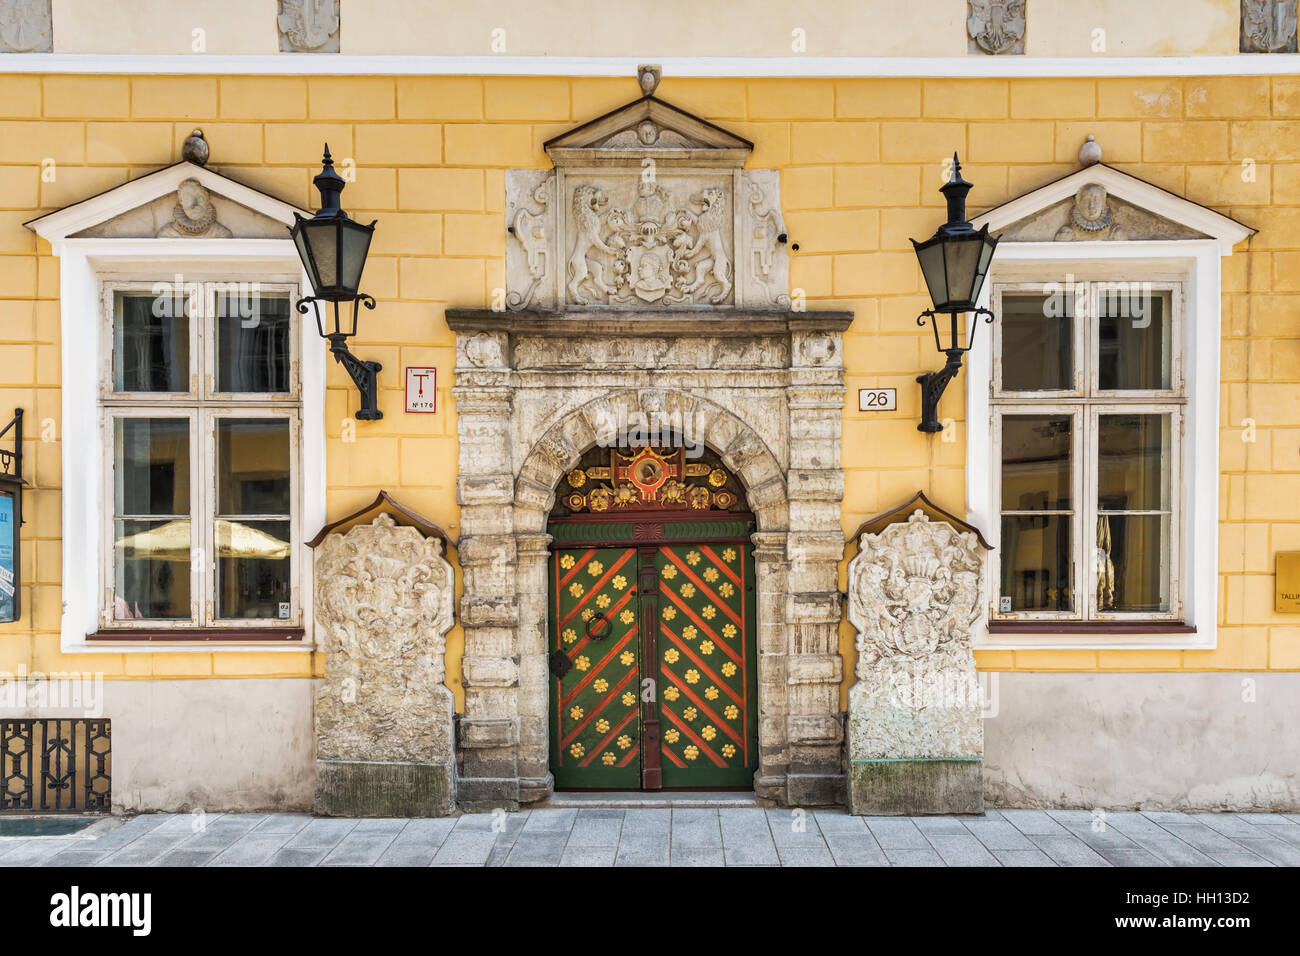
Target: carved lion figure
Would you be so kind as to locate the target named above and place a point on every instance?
(588, 201)
(714, 268)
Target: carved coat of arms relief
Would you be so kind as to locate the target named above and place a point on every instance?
(652, 243)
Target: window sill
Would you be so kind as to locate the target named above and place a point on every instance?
(1090, 627)
(197, 635)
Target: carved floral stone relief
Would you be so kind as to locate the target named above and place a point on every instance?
(384, 604)
(915, 592)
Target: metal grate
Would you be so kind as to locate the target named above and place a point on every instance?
(53, 764)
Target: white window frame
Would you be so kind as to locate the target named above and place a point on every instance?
(85, 265)
(1195, 264)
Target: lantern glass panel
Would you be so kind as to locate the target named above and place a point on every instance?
(961, 259)
(322, 238)
(936, 275)
(356, 243)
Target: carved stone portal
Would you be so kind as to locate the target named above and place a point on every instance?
(916, 742)
(384, 603)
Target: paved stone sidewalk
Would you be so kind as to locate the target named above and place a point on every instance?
(681, 837)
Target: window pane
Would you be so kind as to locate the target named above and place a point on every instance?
(1036, 462)
(1035, 563)
(1037, 342)
(151, 343)
(1133, 462)
(151, 473)
(1133, 563)
(252, 341)
(151, 578)
(151, 527)
(253, 467)
(253, 569)
(1132, 337)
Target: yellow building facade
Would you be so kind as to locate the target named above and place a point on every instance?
(1150, 716)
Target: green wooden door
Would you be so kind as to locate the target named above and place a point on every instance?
(595, 712)
(707, 671)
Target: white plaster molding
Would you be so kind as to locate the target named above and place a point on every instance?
(1198, 262)
(82, 263)
(955, 67)
(1225, 231)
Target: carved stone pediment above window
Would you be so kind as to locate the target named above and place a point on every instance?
(647, 207)
(181, 201)
(1100, 203)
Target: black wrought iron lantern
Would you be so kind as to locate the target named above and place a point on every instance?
(333, 248)
(955, 261)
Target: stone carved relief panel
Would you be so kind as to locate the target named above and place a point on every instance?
(1268, 26)
(384, 604)
(308, 26)
(915, 592)
(996, 26)
(26, 26)
(621, 239)
(1094, 214)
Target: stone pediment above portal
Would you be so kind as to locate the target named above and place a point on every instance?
(646, 208)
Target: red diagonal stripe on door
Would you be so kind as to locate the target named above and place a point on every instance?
(600, 666)
(708, 591)
(612, 734)
(631, 755)
(722, 565)
(568, 575)
(695, 738)
(686, 649)
(673, 757)
(708, 631)
(708, 711)
(611, 695)
(598, 586)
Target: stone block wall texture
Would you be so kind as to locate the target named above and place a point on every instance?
(861, 166)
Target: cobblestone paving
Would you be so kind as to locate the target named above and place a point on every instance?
(681, 837)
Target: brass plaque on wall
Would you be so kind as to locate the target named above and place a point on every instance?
(1288, 582)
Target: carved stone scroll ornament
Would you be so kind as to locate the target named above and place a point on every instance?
(26, 26)
(309, 26)
(384, 604)
(1268, 26)
(996, 26)
(194, 216)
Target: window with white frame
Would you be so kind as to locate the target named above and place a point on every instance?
(201, 411)
(1087, 409)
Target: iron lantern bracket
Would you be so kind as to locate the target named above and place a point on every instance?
(933, 384)
(364, 374)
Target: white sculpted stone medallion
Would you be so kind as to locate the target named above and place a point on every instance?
(661, 246)
(384, 599)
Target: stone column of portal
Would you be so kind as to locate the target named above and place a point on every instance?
(485, 489)
(916, 739)
(384, 601)
(814, 548)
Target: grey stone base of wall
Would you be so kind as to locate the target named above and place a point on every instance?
(355, 788)
(1153, 741)
(813, 790)
(900, 787)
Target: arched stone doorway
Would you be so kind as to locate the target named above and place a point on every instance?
(652, 623)
(646, 277)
